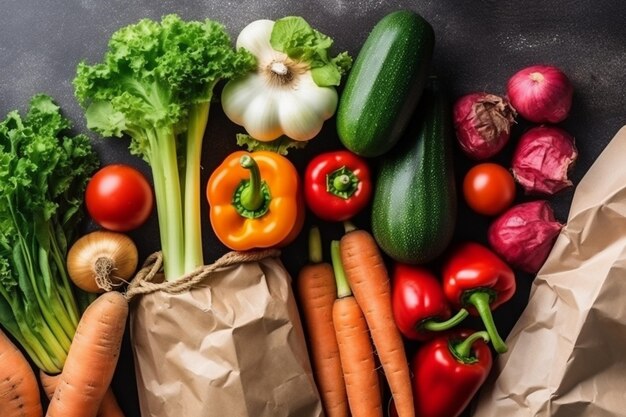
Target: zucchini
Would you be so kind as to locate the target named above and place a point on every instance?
(385, 83)
(414, 206)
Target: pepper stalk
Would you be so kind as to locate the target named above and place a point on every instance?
(476, 278)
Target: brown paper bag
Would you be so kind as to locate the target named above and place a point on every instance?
(229, 344)
(567, 352)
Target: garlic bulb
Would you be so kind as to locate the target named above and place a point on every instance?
(281, 97)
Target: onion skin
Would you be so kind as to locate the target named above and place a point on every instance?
(482, 122)
(542, 160)
(541, 94)
(525, 234)
(101, 260)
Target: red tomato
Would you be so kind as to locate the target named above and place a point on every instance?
(119, 198)
(489, 188)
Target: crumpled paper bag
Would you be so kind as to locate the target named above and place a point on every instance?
(567, 352)
(232, 345)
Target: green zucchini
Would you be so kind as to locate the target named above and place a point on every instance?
(414, 206)
(385, 83)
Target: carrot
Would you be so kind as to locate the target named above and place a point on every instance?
(317, 293)
(92, 358)
(108, 407)
(48, 383)
(355, 348)
(19, 392)
(368, 278)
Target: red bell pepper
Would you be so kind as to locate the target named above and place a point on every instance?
(420, 307)
(337, 185)
(476, 278)
(448, 371)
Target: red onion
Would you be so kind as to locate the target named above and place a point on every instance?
(542, 160)
(524, 235)
(541, 94)
(483, 124)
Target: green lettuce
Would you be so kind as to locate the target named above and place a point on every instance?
(280, 145)
(155, 85)
(43, 175)
(293, 36)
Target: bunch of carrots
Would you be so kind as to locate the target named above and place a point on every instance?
(82, 389)
(346, 307)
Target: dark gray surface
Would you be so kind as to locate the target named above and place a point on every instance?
(479, 45)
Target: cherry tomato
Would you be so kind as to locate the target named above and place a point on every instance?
(489, 188)
(119, 198)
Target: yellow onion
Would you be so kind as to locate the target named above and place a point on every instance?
(101, 260)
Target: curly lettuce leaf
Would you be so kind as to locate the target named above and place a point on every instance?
(155, 84)
(293, 36)
(152, 75)
(43, 175)
(280, 145)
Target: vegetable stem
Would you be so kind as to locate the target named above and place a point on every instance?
(437, 326)
(21, 257)
(463, 350)
(315, 245)
(58, 353)
(343, 287)
(251, 196)
(342, 182)
(16, 330)
(52, 300)
(481, 300)
(168, 198)
(198, 118)
(65, 290)
(174, 210)
(41, 354)
(159, 191)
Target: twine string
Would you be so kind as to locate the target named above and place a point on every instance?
(143, 281)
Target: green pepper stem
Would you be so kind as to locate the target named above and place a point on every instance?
(343, 287)
(480, 300)
(437, 326)
(251, 196)
(463, 350)
(315, 245)
(342, 182)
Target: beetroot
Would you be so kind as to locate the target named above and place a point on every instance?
(483, 124)
(542, 160)
(524, 235)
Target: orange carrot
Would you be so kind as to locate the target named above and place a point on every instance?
(92, 358)
(355, 348)
(19, 392)
(368, 278)
(108, 408)
(48, 383)
(317, 293)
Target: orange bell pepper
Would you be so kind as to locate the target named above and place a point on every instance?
(255, 201)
